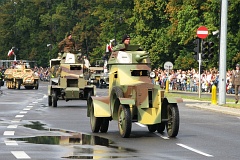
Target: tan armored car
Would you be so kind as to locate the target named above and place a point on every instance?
(69, 80)
(19, 76)
(133, 98)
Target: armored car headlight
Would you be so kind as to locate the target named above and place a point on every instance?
(152, 74)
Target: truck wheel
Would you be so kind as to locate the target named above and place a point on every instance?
(49, 100)
(18, 84)
(124, 121)
(152, 128)
(95, 122)
(161, 127)
(54, 98)
(173, 120)
(104, 125)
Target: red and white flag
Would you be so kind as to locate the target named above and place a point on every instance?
(109, 46)
(10, 52)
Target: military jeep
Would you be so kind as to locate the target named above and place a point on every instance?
(133, 98)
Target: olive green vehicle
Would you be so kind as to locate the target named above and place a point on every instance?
(133, 98)
(69, 80)
(19, 76)
(95, 75)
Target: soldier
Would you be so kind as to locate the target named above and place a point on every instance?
(236, 81)
(125, 42)
(67, 45)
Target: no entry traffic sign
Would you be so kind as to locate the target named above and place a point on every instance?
(202, 32)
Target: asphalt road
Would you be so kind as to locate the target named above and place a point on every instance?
(29, 129)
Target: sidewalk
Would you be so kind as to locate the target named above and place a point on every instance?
(208, 106)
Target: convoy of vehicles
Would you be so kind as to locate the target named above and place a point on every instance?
(133, 98)
(132, 95)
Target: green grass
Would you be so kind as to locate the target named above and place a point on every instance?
(229, 102)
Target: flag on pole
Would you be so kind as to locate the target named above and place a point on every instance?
(11, 52)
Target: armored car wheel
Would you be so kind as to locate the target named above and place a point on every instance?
(89, 97)
(161, 127)
(95, 122)
(49, 100)
(152, 128)
(173, 120)
(54, 98)
(104, 125)
(37, 85)
(124, 121)
(18, 84)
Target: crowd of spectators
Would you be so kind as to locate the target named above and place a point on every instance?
(43, 73)
(183, 80)
(188, 80)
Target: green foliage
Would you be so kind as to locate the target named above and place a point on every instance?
(166, 29)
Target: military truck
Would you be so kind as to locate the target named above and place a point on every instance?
(21, 75)
(69, 80)
(133, 98)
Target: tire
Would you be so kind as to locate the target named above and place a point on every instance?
(18, 84)
(49, 100)
(124, 121)
(172, 125)
(89, 97)
(152, 128)
(95, 122)
(104, 125)
(54, 98)
(161, 127)
(117, 91)
(37, 85)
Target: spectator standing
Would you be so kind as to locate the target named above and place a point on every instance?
(236, 81)
(86, 63)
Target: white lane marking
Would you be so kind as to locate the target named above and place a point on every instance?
(34, 102)
(141, 125)
(20, 155)
(15, 121)
(29, 106)
(194, 150)
(23, 112)
(9, 133)
(26, 109)
(19, 116)
(12, 126)
(9, 102)
(45, 96)
(11, 143)
(163, 137)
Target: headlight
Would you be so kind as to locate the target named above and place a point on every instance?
(152, 74)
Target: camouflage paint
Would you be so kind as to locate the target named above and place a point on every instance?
(144, 98)
(70, 79)
(20, 73)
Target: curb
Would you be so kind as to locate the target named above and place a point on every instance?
(216, 108)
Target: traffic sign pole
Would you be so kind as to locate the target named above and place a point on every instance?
(202, 33)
